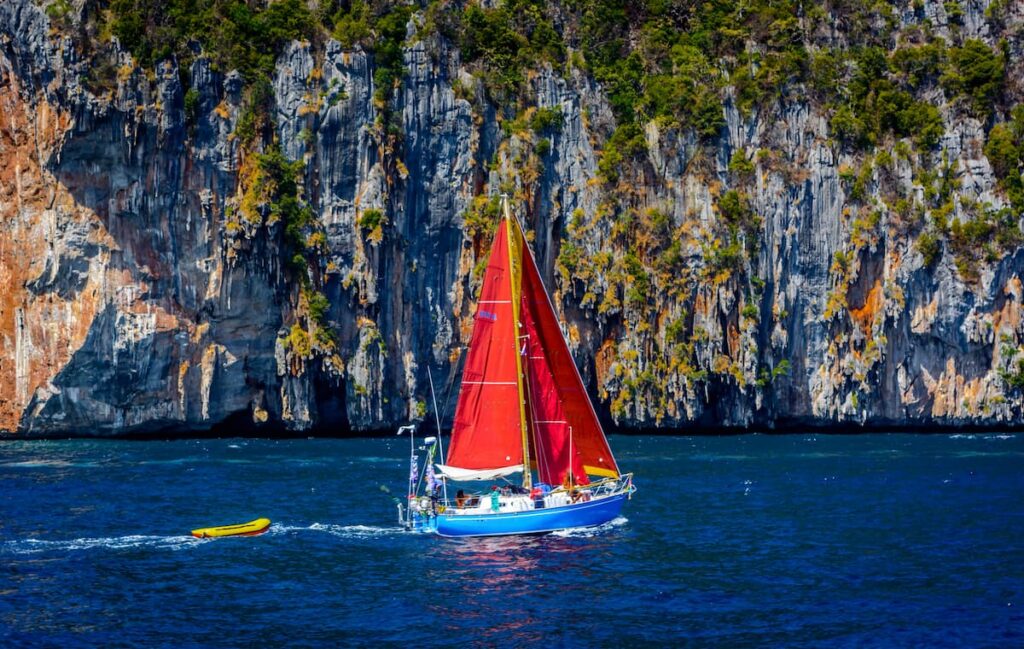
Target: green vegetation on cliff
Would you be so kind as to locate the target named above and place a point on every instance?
(656, 60)
(237, 35)
(507, 40)
(378, 27)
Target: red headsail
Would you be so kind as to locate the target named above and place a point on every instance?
(563, 417)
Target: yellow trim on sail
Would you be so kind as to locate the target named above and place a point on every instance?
(515, 264)
(595, 470)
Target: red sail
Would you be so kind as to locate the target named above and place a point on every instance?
(487, 433)
(550, 438)
(560, 410)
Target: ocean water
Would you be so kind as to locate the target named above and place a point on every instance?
(754, 540)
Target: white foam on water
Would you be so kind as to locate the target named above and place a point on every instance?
(31, 546)
(46, 464)
(586, 532)
(985, 436)
(344, 531)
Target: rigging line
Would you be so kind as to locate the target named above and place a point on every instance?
(541, 462)
(437, 418)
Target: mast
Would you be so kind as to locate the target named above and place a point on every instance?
(515, 262)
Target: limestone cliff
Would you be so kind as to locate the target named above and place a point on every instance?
(768, 275)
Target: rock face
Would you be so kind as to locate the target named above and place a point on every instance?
(135, 301)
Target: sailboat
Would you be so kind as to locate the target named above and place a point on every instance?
(522, 409)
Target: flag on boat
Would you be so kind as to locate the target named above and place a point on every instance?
(432, 482)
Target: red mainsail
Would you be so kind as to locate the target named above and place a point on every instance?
(564, 434)
(487, 432)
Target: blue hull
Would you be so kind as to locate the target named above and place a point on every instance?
(588, 514)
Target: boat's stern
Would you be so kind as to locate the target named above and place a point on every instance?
(423, 524)
(420, 519)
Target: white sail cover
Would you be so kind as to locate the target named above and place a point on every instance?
(455, 473)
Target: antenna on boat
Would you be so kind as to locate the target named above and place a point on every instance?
(411, 429)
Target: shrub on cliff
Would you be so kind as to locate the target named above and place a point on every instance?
(976, 72)
(878, 107)
(921, 65)
(351, 25)
(626, 143)
(546, 119)
(930, 246)
(1005, 151)
(735, 208)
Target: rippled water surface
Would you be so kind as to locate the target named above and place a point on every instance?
(730, 541)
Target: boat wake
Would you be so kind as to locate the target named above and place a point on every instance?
(587, 532)
(33, 546)
(343, 531)
(988, 436)
(47, 464)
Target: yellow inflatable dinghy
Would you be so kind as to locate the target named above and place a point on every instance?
(252, 528)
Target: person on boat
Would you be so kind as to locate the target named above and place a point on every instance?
(460, 499)
(495, 499)
(571, 488)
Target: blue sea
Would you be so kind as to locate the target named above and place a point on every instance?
(752, 540)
